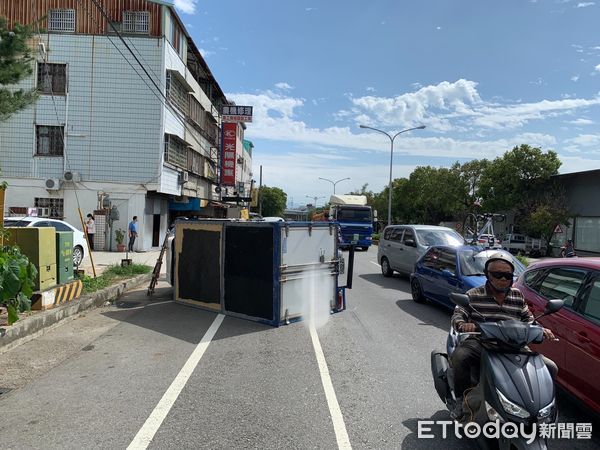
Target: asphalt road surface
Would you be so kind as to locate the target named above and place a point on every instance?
(150, 373)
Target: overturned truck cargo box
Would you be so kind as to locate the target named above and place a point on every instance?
(271, 272)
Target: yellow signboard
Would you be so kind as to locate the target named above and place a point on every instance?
(254, 197)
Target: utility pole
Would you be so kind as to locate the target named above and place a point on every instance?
(260, 193)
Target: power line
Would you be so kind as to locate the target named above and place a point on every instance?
(180, 116)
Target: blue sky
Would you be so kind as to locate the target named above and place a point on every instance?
(482, 75)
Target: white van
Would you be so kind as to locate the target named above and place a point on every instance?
(401, 245)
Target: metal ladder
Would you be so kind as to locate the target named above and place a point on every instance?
(158, 265)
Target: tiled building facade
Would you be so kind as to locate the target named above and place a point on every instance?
(134, 121)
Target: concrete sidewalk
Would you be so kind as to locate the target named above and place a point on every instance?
(102, 260)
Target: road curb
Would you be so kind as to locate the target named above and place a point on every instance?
(30, 327)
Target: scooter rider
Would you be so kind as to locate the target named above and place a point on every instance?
(496, 300)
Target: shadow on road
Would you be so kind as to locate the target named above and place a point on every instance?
(396, 282)
(428, 313)
(161, 314)
(449, 442)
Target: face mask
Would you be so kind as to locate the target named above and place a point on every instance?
(505, 290)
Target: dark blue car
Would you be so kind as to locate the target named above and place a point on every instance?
(443, 270)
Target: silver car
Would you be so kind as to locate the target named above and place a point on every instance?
(401, 245)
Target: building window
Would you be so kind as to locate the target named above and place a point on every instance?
(136, 22)
(52, 78)
(176, 151)
(177, 93)
(61, 20)
(55, 207)
(587, 234)
(196, 111)
(49, 140)
(176, 37)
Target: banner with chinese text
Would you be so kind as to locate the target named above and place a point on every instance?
(228, 154)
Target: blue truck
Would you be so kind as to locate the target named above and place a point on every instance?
(355, 218)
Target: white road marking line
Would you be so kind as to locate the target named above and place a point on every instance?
(146, 305)
(375, 263)
(339, 426)
(143, 438)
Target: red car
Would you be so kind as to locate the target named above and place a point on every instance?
(577, 324)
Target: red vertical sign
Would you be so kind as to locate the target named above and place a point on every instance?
(228, 154)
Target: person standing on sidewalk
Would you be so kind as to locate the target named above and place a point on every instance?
(133, 232)
(90, 225)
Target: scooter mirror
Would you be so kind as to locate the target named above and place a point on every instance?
(553, 306)
(460, 299)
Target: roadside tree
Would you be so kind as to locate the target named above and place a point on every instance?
(274, 201)
(515, 179)
(15, 66)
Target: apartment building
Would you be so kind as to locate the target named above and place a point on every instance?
(128, 122)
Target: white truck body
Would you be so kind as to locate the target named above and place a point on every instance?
(359, 200)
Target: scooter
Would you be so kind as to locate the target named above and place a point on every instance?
(512, 385)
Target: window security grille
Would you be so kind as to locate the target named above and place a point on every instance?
(49, 140)
(177, 93)
(52, 78)
(136, 22)
(56, 206)
(196, 110)
(61, 20)
(176, 151)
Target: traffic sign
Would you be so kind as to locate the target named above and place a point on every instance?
(558, 229)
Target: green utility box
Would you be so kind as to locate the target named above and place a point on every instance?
(64, 256)
(39, 245)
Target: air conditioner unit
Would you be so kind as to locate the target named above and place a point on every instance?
(184, 177)
(72, 176)
(53, 184)
(180, 199)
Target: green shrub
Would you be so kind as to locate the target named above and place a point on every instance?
(17, 280)
(523, 259)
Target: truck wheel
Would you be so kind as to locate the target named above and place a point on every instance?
(386, 270)
(415, 290)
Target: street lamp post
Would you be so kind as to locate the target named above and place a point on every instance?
(391, 161)
(334, 182)
(315, 198)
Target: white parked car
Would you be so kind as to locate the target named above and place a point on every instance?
(79, 242)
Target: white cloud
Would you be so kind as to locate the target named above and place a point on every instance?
(514, 116)
(305, 152)
(581, 121)
(186, 6)
(578, 164)
(575, 78)
(370, 89)
(585, 140)
(414, 107)
(283, 86)
(456, 106)
(585, 4)
(597, 68)
(309, 9)
(205, 53)
(438, 28)
(538, 82)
